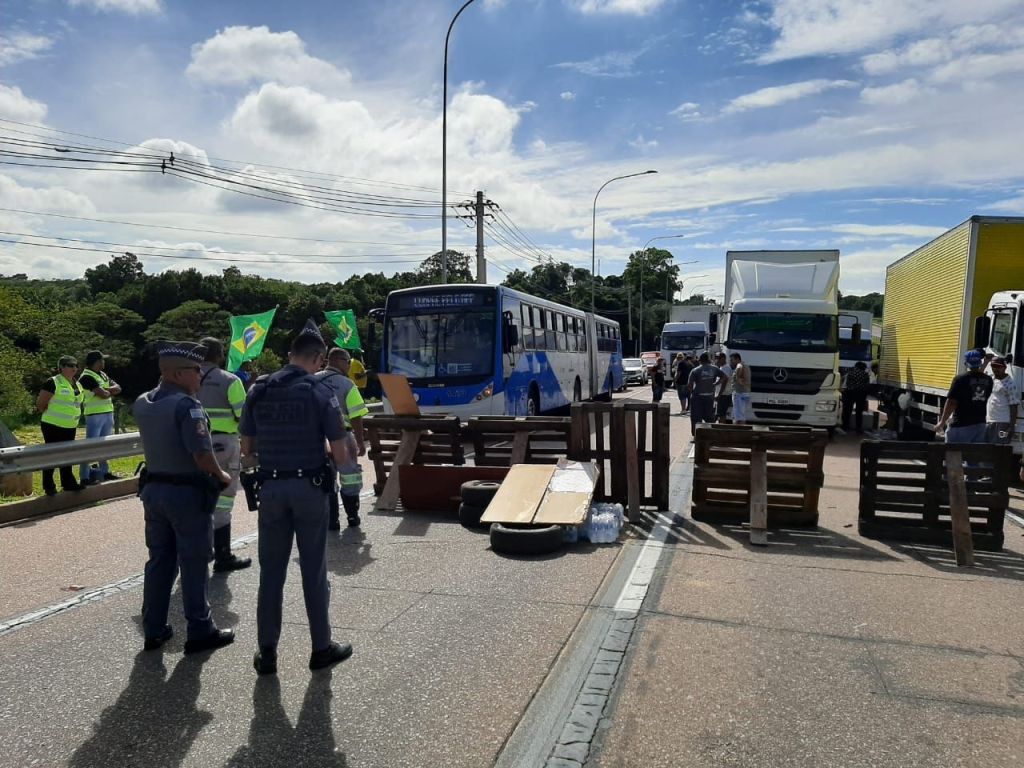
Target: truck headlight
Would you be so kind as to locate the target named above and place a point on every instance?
(825, 406)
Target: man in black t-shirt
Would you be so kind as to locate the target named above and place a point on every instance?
(966, 402)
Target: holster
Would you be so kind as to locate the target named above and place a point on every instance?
(250, 481)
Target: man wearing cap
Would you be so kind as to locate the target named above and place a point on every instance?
(336, 377)
(1001, 409)
(60, 402)
(287, 418)
(98, 392)
(966, 404)
(178, 491)
(223, 395)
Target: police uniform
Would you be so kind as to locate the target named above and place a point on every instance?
(223, 395)
(178, 500)
(288, 415)
(350, 473)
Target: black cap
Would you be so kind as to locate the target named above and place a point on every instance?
(186, 350)
(67, 360)
(94, 357)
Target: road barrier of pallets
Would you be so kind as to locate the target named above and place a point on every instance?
(770, 477)
(501, 441)
(934, 493)
(398, 440)
(633, 457)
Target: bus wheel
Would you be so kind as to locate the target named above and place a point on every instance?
(533, 402)
(577, 391)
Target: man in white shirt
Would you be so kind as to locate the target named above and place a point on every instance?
(1001, 409)
(724, 399)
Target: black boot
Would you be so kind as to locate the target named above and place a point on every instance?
(334, 523)
(351, 510)
(223, 558)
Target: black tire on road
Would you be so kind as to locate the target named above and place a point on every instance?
(530, 540)
(478, 493)
(470, 516)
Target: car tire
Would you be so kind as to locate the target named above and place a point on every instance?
(526, 540)
(470, 516)
(478, 493)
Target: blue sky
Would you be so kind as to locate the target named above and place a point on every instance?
(864, 125)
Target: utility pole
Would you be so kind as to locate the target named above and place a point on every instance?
(481, 262)
(629, 310)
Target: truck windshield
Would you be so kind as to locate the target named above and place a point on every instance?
(861, 350)
(686, 341)
(441, 345)
(782, 331)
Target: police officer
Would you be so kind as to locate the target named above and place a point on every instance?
(353, 409)
(179, 490)
(223, 395)
(287, 417)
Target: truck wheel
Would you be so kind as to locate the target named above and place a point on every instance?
(478, 493)
(526, 540)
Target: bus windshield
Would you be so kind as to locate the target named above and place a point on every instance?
(783, 331)
(441, 345)
(686, 341)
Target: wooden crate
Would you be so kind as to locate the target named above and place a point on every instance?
(637, 432)
(721, 473)
(440, 442)
(500, 441)
(904, 491)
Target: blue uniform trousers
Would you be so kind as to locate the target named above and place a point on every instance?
(292, 508)
(179, 535)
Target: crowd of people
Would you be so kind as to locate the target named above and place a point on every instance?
(982, 403)
(708, 392)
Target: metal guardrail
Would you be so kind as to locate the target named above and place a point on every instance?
(31, 458)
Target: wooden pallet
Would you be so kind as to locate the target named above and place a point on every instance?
(905, 491)
(501, 441)
(725, 489)
(398, 440)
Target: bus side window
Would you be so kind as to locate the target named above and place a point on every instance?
(562, 343)
(583, 335)
(552, 336)
(539, 340)
(527, 330)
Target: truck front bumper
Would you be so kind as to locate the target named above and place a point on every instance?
(816, 411)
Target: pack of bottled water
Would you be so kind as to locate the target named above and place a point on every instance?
(603, 523)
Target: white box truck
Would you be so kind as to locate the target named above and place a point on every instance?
(781, 314)
(686, 338)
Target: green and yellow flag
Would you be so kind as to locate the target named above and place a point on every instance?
(248, 334)
(343, 321)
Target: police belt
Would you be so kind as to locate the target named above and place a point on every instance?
(317, 475)
(203, 482)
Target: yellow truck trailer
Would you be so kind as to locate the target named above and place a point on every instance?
(962, 290)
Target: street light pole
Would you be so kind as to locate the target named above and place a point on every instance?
(593, 234)
(444, 152)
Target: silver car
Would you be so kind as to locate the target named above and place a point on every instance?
(635, 371)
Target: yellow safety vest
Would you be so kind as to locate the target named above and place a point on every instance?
(65, 407)
(94, 404)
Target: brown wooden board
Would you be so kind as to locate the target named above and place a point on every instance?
(436, 489)
(563, 508)
(399, 394)
(520, 494)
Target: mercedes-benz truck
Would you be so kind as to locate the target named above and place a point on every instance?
(781, 314)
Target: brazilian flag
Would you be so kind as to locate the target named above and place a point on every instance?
(343, 321)
(248, 334)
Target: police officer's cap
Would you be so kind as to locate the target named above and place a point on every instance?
(311, 330)
(181, 350)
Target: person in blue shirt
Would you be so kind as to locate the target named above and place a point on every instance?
(287, 419)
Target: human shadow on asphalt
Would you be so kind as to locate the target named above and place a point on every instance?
(1005, 564)
(349, 552)
(154, 721)
(274, 741)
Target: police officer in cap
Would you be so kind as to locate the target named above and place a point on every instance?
(178, 491)
(287, 417)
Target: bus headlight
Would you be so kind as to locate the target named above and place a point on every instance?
(486, 392)
(825, 406)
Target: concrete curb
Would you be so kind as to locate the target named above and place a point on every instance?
(67, 501)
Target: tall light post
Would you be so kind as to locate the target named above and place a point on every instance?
(643, 263)
(593, 234)
(444, 152)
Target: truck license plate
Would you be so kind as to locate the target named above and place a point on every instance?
(777, 401)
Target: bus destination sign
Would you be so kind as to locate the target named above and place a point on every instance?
(428, 301)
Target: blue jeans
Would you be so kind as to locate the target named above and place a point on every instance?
(972, 433)
(97, 425)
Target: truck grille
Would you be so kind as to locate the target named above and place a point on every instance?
(795, 381)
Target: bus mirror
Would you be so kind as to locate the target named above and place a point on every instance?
(713, 324)
(982, 331)
(855, 332)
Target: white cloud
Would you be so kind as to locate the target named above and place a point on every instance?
(893, 95)
(780, 94)
(15, 105)
(632, 7)
(872, 231)
(240, 55)
(643, 144)
(934, 51)
(1009, 205)
(568, 96)
(20, 46)
(611, 64)
(52, 199)
(980, 67)
(688, 110)
(135, 7)
(828, 27)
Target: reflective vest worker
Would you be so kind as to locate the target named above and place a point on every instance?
(60, 403)
(223, 395)
(98, 392)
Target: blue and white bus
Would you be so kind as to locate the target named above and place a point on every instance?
(473, 350)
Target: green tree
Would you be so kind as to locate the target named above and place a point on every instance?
(190, 322)
(429, 272)
(115, 274)
(653, 269)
